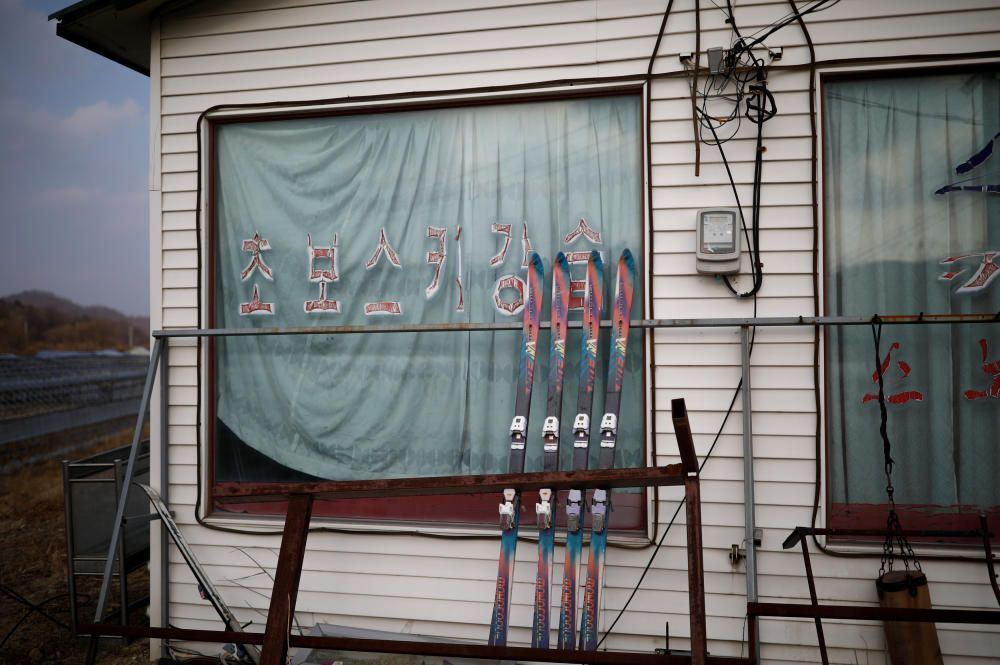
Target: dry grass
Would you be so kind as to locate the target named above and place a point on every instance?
(33, 564)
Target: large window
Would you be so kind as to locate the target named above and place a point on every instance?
(912, 223)
(408, 216)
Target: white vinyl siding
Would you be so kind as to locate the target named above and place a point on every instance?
(234, 52)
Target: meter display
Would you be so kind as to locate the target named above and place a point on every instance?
(718, 250)
(718, 234)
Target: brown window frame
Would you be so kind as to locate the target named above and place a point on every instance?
(475, 510)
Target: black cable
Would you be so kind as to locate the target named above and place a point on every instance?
(659, 38)
(739, 205)
(32, 608)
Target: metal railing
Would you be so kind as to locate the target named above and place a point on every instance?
(159, 363)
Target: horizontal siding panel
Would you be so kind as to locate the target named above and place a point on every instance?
(180, 182)
(682, 175)
(679, 130)
(281, 49)
(183, 396)
(774, 240)
(179, 162)
(179, 435)
(273, 80)
(367, 23)
(288, 50)
(705, 285)
(179, 297)
(178, 240)
(177, 317)
(178, 220)
(764, 354)
(179, 278)
(677, 218)
(775, 262)
(774, 194)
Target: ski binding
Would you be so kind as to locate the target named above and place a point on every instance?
(599, 510)
(507, 509)
(543, 509)
(518, 431)
(574, 511)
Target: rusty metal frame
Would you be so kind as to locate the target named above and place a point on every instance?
(818, 612)
(654, 476)
(277, 637)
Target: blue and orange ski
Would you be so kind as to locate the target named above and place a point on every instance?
(511, 507)
(550, 449)
(600, 505)
(593, 294)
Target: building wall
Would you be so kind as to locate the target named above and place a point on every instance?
(288, 50)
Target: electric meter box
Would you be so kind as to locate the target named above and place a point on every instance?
(718, 251)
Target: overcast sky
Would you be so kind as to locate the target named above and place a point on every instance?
(74, 160)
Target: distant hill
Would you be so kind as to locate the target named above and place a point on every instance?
(32, 321)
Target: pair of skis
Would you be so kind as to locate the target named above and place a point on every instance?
(544, 509)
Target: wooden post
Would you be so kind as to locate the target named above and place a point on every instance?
(286, 580)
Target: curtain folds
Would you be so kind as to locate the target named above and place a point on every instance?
(429, 214)
(890, 145)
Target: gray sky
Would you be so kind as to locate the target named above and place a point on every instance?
(73, 166)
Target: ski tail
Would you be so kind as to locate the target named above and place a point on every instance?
(510, 508)
(600, 506)
(550, 446)
(593, 296)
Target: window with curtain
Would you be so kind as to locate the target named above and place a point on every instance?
(912, 224)
(409, 216)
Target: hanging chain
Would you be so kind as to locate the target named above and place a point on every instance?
(894, 531)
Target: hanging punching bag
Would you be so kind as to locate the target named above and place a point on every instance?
(908, 642)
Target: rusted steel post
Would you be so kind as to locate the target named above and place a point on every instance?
(812, 597)
(696, 571)
(752, 647)
(990, 570)
(696, 562)
(682, 431)
(286, 580)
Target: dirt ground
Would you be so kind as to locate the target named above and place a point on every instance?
(33, 569)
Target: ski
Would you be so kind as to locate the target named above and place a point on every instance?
(593, 294)
(550, 449)
(511, 506)
(600, 505)
(245, 652)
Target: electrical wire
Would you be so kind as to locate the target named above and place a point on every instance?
(32, 608)
(673, 518)
(757, 112)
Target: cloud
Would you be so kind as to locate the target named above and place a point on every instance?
(100, 118)
(65, 197)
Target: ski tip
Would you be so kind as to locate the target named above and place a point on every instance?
(628, 258)
(535, 262)
(561, 262)
(595, 258)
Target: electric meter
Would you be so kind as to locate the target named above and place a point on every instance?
(718, 251)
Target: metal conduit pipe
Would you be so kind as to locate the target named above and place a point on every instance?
(748, 486)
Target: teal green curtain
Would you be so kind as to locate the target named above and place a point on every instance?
(390, 192)
(890, 145)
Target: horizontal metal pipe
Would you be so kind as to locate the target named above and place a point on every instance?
(785, 321)
(865, 613)
(672, 474)
(441, 649)
(801, 531)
